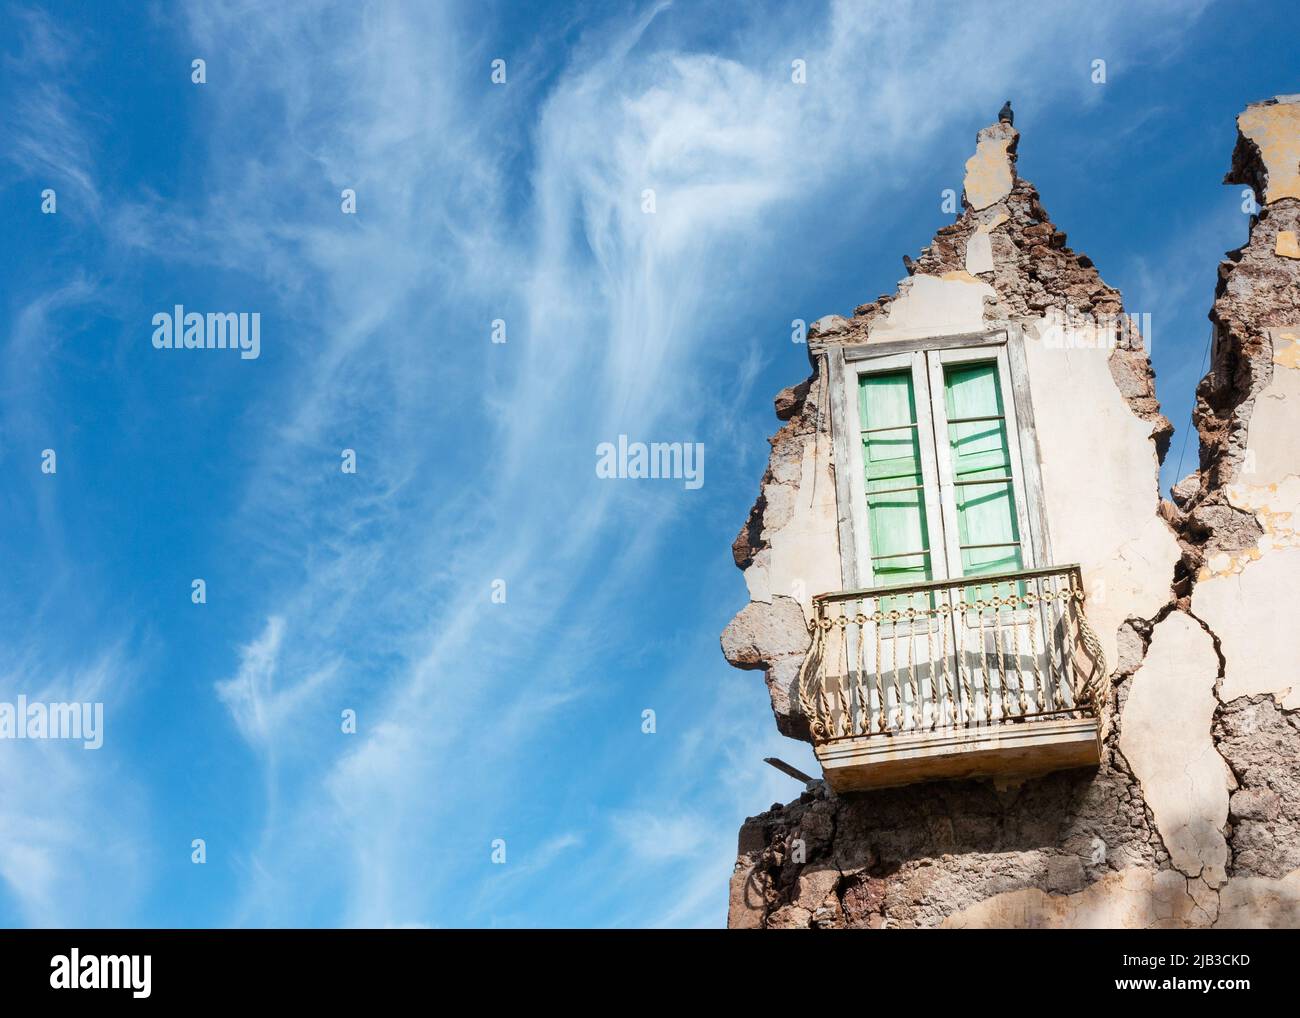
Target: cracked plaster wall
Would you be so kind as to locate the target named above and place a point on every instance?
(1193, 817)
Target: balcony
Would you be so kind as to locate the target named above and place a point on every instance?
(997, 675)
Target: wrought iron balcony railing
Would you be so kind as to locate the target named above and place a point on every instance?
(951, 657)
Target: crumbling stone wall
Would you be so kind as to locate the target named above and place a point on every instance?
(917, 855)
(1193, 817)
(771, 632)
(1256, 310)
(1261, 743)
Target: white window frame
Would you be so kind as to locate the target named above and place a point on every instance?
(938, 360)
(914, 361)
(926, 360)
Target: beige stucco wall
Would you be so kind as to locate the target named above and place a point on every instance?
(988, 172)
(1165, 737)
(1132, 898)
(1275, 129)
(1248, 598)
(1099, 480)
(802, 558)
(1142, 899)
(945, 305)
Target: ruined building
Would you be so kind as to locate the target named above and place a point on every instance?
(1040, 695)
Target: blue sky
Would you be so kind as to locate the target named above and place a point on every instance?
(372, 591)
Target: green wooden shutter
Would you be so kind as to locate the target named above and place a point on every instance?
(987, 524)
(891, 456)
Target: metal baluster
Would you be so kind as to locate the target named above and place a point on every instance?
(945, 615)
(898, 682)
(929, 655)
(810, 671)
(912, 687)
(1050, 639)
(984, 658)
(1035, 620)
(1075, 639)
(963, 668)
(864, 704)
(842, 691)
(830, 680)
(1064, 692)
(877, 617)
(1014, 597)
(999, 646)
(823, 706)
(1061, 643)
(999, 657)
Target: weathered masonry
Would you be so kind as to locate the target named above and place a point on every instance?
(1039, 694)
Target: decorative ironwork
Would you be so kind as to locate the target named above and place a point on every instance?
(956, 653)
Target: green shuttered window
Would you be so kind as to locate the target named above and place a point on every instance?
(891, 456)
(983, 484)
(938, 459)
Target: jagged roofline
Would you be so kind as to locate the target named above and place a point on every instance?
(946, 253)
(1257, 291)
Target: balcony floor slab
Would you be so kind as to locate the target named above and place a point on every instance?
(1005, 750)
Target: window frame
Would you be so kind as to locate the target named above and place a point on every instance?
(938, 360)
(927, 359)
(915, 363)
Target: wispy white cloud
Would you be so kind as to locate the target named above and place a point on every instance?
(35, 340)
(74, 823)
(613, 329)
(50, 134)
(74, 849)
(511, 879)
(653, 837)
(263, 709)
